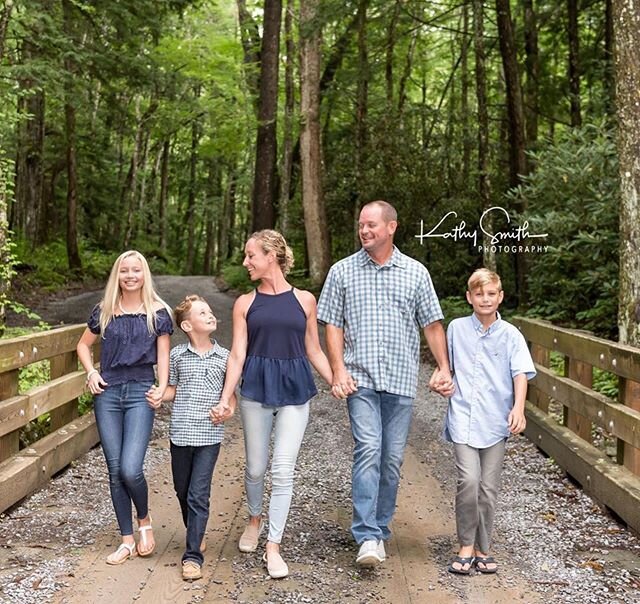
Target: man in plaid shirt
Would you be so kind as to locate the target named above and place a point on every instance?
(374, 304)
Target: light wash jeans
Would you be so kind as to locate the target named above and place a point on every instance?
(257, 423)
(478, 483)
(380, 424)
(124, 420)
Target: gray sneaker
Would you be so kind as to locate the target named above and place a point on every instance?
(382, 554)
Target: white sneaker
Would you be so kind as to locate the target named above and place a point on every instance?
(368, 555)
(382, 554)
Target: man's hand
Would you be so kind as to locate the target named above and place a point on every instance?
(343, 384)
(442, 383)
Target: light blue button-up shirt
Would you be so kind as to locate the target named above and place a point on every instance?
(484, 364)
(381, 309)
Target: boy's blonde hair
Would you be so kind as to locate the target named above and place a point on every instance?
(112, 293)
(183, 310)
(482, 277)
(273, 241)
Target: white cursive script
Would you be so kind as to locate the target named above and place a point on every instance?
(459, 231)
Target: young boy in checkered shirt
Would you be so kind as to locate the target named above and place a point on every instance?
(196, 377)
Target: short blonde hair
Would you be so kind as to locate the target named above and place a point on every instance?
(273, 241)
(183, 310)
(482, 277)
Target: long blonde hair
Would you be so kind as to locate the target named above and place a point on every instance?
(112, 293)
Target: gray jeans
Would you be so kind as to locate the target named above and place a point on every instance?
(478, 483)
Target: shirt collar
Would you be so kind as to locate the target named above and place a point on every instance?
(479, 327)
(215, 350)
(397, 258)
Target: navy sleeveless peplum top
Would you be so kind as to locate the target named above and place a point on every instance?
(276, 371)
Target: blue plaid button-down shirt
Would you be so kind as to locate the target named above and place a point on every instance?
(198, 380)
(381, 310)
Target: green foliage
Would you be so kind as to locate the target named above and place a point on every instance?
(454, 307)
(236, 277)
(573, 196)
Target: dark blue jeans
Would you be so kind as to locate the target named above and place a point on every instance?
(192, 469)
(124, 421)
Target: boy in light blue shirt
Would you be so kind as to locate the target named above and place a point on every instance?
(491, 365)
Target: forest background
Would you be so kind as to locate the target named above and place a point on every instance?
(178, 127)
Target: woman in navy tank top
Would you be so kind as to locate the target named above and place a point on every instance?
(275, 339)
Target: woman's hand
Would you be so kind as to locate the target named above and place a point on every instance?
(222, 412)
(95, 383)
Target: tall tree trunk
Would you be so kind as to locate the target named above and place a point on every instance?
(362, 102)
(389, 58)
(190, 217)
(406, 73)
(517, 145)
(250, 38)
(73, 252)
(163, 198)
(214, 203)
(315, 221)
(609, 78)
(484, 182)
(626, 19)
(532, 69)
(226, 222)
(464, 99)
(289, 108)
(265, 181)
(128, 194)
(5, 17)
(574, 62)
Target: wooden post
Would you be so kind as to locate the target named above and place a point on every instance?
(541, 356)
(583, 374)
(61, 365)
(629, 395)
(9, 443)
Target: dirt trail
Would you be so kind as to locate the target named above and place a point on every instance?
(317, 542)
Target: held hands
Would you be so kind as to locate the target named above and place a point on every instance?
(154, 397)
(516, 421)
(343, 384)
(95, 383)
(441, 382)
(223, 411)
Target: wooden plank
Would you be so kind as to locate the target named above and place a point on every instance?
(18, 352)
(9, 439)
(60, 366)
(583, 374)
(611, 484)
(60, 448)
(620, 359)
(19, 476)
(629, 452)
(619, 420)
(18, 411)
(541, 356)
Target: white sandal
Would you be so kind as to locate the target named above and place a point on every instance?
(143, 538)
(114, 558)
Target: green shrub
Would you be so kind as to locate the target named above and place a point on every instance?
(573, 196)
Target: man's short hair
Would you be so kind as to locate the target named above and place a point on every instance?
(482, 277)
(389, 213)
(183, 310)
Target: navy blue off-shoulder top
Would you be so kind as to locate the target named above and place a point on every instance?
(128, 352)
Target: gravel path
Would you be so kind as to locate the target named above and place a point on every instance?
(554, 544)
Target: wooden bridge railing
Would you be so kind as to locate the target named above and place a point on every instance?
(24, 470)
(615, 482)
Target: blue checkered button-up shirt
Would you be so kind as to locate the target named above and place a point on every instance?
(198, 380)
(380, 309)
